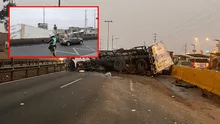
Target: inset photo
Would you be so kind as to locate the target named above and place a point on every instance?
(46, 32)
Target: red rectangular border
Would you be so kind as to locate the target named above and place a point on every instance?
(98, 31)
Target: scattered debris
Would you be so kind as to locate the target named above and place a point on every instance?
(133, 110)
(186, 85)
(81, 71)
(21, 104)
(173, 96)
(108, 74)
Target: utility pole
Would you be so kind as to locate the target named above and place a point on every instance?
(85, 21)
(95, 19)
(116, 42)
(112, 42)
(43, 15)
(185, 48)
(58, 2)
(144, 43)
(108, 34)
(155, 37)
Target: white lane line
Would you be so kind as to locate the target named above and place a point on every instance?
(71, 83)
(66, 52)
(131, 86)
(90, 48)
(76, 51)
(92, 54)
(83, 49)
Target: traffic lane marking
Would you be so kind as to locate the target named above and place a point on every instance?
(83, 49)
(131, 86)
(90, 48)
(71, 83)
(76, 51)
(66, 52)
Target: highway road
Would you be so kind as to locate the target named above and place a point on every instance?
(86, 98)
(87, 48)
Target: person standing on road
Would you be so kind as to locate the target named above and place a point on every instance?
(55, 29)
(52, 43)
(66, 36)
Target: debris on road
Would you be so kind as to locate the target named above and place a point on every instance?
(21, 104)
(108, 74)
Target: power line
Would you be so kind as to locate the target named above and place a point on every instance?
(193, 17)
(192, 25)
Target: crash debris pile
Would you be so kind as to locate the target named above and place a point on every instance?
(140, 60)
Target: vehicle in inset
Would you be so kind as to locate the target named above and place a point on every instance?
(73, 39)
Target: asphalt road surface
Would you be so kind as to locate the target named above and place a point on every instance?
(87, 48)
(85, 98)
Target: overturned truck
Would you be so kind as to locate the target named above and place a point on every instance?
(138, 60)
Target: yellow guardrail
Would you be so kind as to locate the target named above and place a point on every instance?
(205, 79)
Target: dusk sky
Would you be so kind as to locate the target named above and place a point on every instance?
(62, 17)
(134, 22)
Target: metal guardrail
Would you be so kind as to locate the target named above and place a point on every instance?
(21, 62)
(12, 70)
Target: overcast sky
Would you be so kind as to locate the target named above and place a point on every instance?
(176, 22)
(62, 17)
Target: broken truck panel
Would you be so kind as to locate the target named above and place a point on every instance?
(162, 58)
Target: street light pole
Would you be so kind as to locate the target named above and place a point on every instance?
(108, 35)
(43, 15)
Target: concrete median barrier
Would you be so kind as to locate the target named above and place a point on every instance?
(205, 79)
(15, 42)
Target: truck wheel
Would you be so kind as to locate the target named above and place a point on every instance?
(141, 66)
(119, 64)
(68, 43)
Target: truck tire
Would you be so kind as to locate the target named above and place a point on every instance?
(141, 66)
(119, 64)
(71, 65)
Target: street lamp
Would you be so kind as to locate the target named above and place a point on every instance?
(207, 39)
(196, 39)
(108, 33)
(194, 48)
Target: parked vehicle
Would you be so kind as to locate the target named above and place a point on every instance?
(73, 39)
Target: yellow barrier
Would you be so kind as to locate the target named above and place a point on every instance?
(205, 79)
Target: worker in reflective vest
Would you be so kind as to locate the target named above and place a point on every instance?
(52, 43)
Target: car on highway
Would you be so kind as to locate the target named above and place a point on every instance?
(73, 39)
